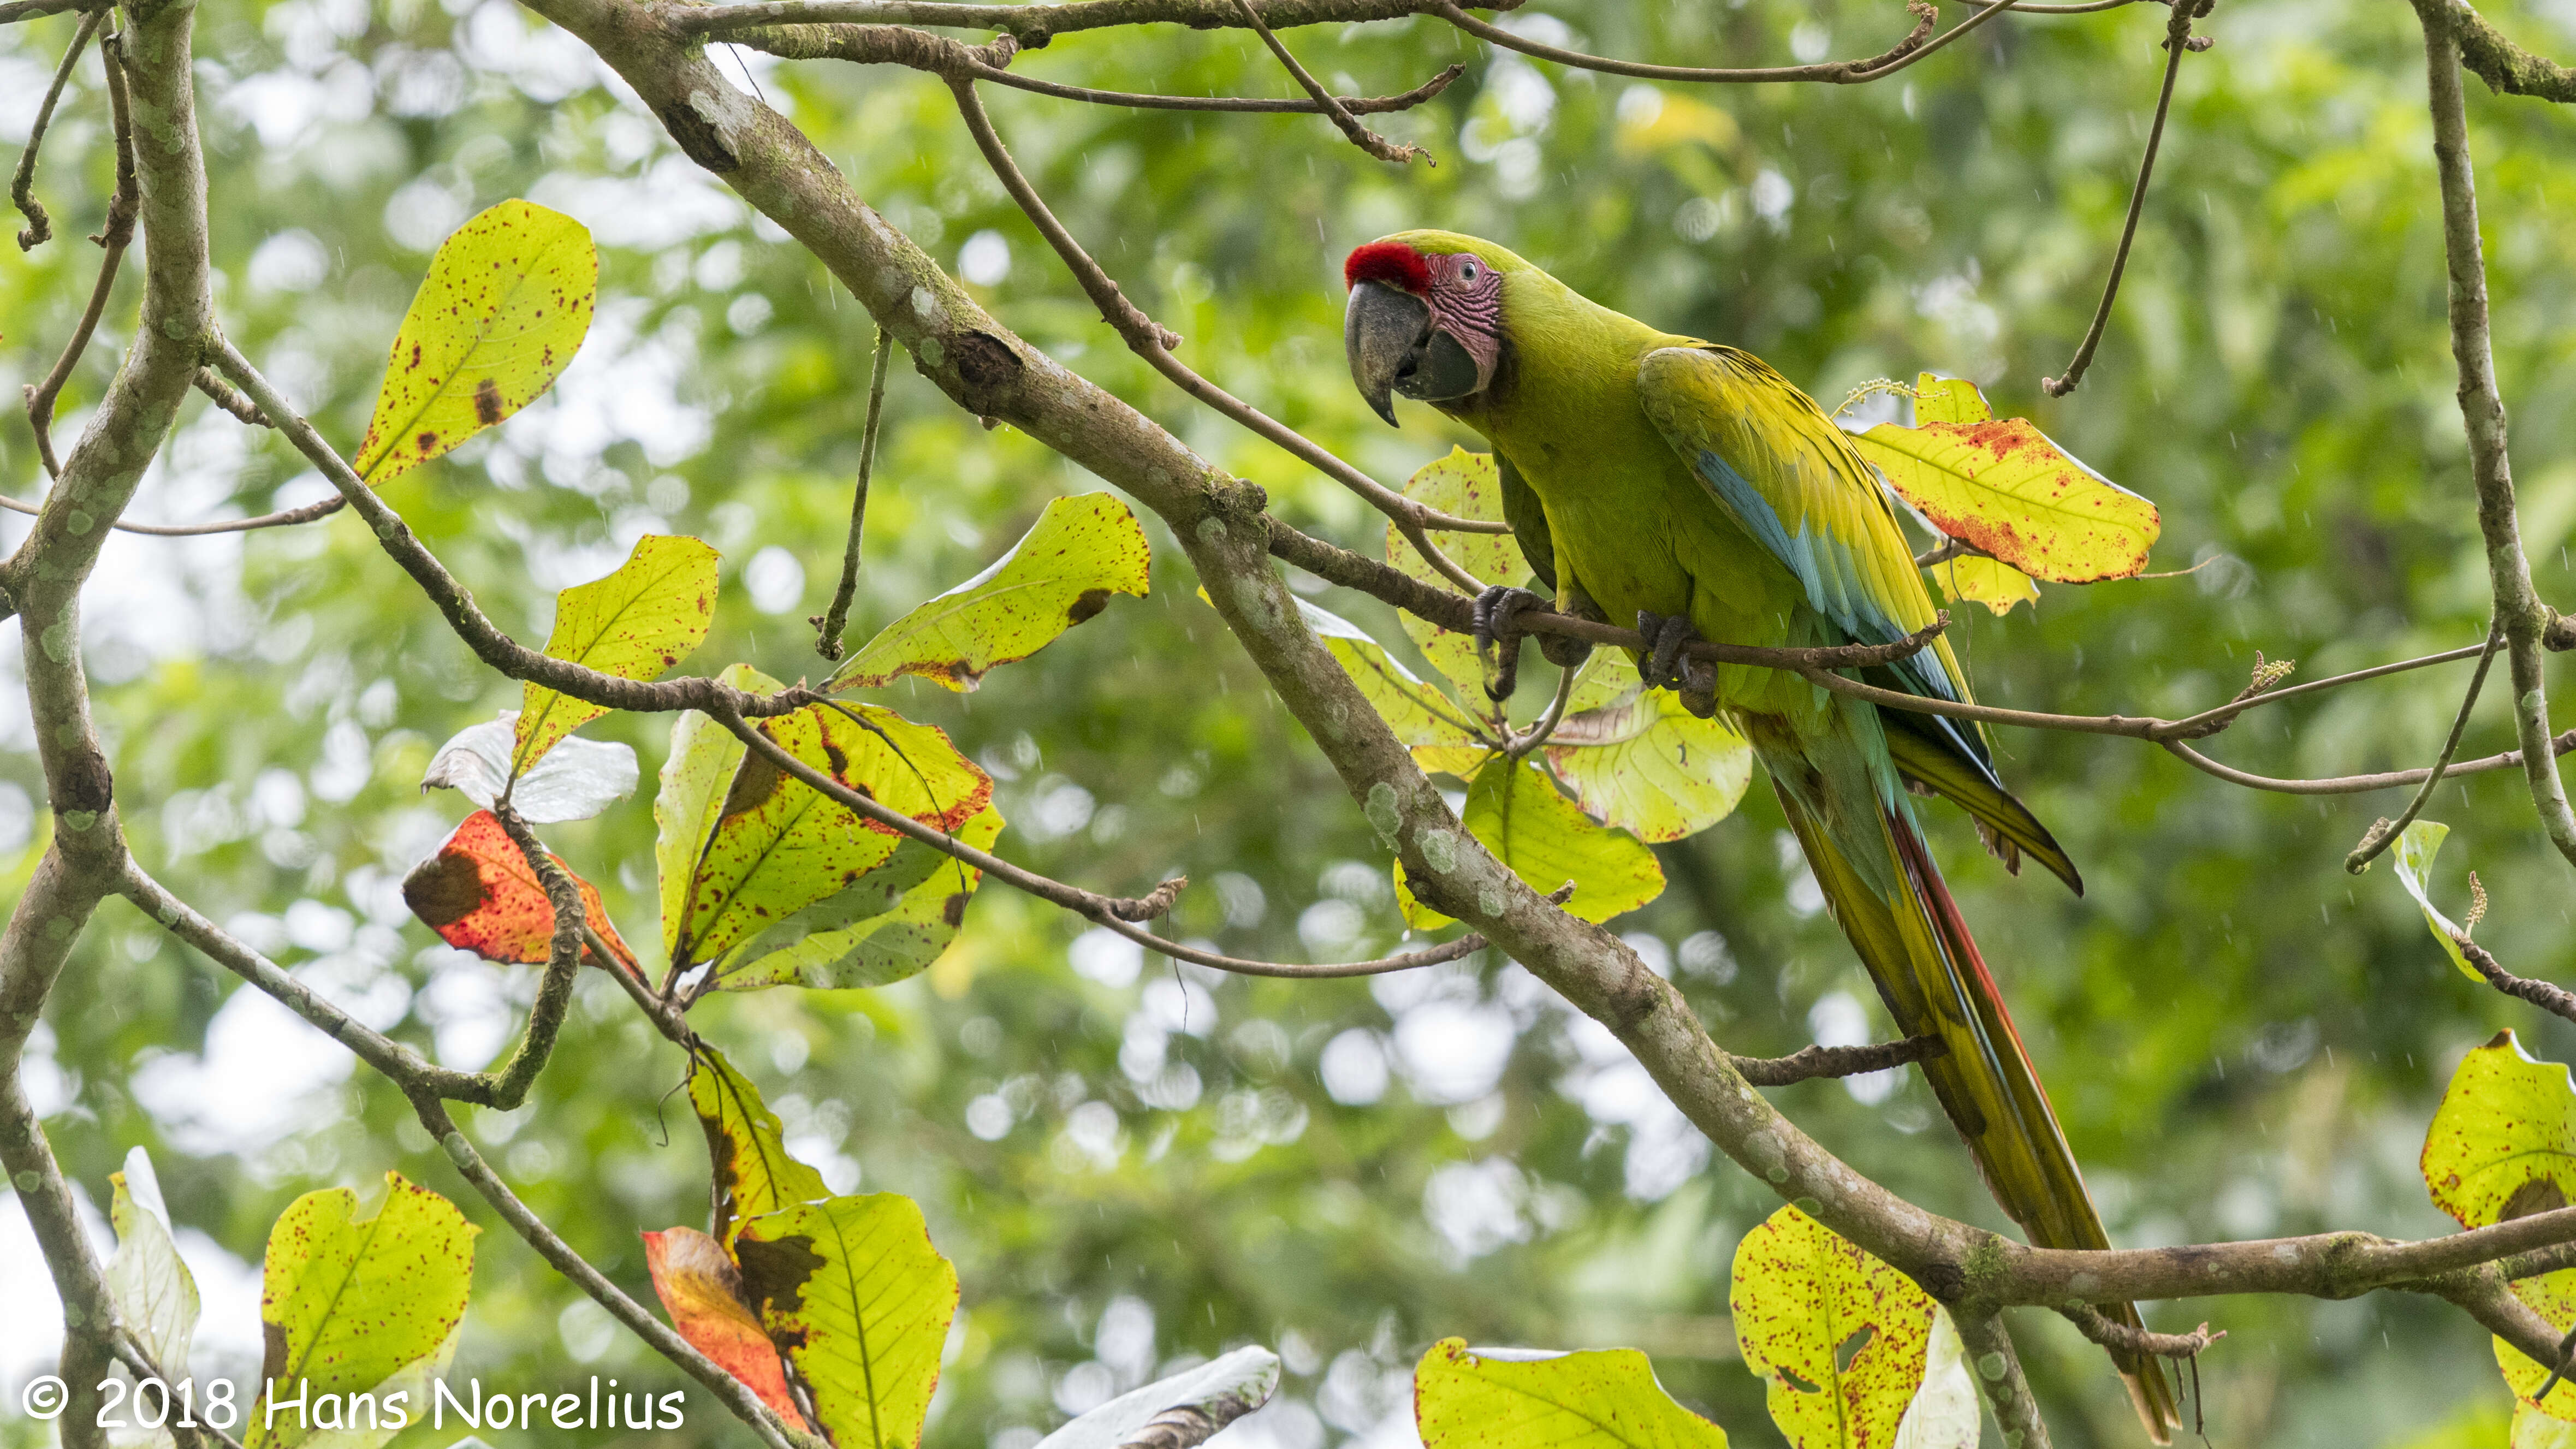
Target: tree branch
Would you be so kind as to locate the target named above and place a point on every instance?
(729, 1391)
(2507, 68)
(2112, 1333)
(40, 227)
(2556, 1000)
(829, 625)
(1997, 1368)
(466, 618)
(1031, 25)
(1808, 1063)
(2386, 830)
(1833, 72)
(2177, 43)
(1360, 136)
(115, 237)
(1151, 341)
(2518, 610)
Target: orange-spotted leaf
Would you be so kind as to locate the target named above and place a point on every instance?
(478, 894)
(635, 623)
(505, 306)
(2002, 485)
(702, 1291)
(780, 847)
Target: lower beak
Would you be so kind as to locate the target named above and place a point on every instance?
(1384, 333)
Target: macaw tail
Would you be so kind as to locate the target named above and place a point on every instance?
(1929, 972)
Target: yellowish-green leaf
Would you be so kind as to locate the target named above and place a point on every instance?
(2503, 1146)
(1419, 714)
(2002, 485)
(1990, 582)
(1840, 1335)
(154, 1293)
(695, 777)
(505, 306)
(2412, 859)
(348, 1302)
(1944, 1412)
(1062, 571)
(635, 623)
(892, 924)
(1607, 677)
(1948, 400)
(746, 1148)
(2533, 1426)
(1546, 840)
(860, 1301)
(1467, 1398)
(779, 846)
(1465, 485)
(1650, 768)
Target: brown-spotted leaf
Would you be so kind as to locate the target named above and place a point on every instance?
(861, 1302)
(1463, 485)
(2503, 1146)
(746, 1148)
(505, 306)
(1841, 1336)
(1063, 571)
(635, 623)
(702, 1291)
(478, 894)
(780, 846)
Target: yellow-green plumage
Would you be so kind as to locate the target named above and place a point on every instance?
(1679, 477)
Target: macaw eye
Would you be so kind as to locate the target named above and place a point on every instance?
(1467, 272)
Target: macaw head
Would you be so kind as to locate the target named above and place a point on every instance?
(1426, 316)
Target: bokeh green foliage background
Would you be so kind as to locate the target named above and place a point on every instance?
(1130, 1165)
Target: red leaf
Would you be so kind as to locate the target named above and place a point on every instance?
(477, 893)
(702, 1291)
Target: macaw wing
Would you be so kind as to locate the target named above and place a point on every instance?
(1529, 523)
(1788, 476)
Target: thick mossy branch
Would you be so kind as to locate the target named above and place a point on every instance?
(2507, 68)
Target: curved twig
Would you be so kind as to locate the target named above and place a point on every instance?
(1360, 136)
(2556, 1000)
(1237, 105)
(1906, 52)
(2112, 1333)
(829, 624)
(283, 518)
(1151, 341)
(2177, 43)
(2387, 830)
(2354, 784)
(1808, 1063)
(1519, 745)
(115, 236)
(22, 193)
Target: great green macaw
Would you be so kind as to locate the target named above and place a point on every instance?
(1686, 486)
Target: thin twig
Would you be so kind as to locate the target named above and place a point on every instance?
(1151, 341)
(1950, 548)
(1235, 105)
(2355, 784)
(2177, 44)
(2112, 1333)
(1809, 1063)
(1905, 52)
(829, 624)
(457, 606)
(729, 1391)
(222, 395)
(40, 227)
(115, 236)
(1519, 746)
(2387, 830)
(284, 518)
(1361, 136)
(563, 961)
(1115, 914)
(2556, 1000)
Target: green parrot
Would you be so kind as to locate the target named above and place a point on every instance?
(1686, 486)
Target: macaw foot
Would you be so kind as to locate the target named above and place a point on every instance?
(1668, 666)
(1498, 635)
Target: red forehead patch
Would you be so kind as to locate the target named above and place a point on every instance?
(1393, 263)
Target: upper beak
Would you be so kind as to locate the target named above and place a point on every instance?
(1384, 334)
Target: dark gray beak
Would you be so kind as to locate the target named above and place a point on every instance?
(1384, 334)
